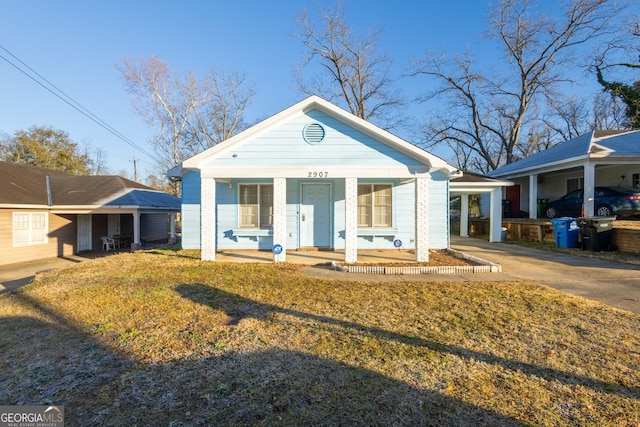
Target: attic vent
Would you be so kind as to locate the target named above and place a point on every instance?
(313, 133)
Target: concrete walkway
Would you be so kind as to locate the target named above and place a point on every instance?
(614, 284)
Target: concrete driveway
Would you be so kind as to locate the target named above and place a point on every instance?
(13, 276)
(614, 284)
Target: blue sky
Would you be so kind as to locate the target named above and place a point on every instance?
(76, 45)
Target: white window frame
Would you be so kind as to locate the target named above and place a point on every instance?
(36, 231)
(372, 206)
(580, 180)
(260, 215)
(635, 172)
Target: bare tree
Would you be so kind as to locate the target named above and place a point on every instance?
(99, 162)
(609, 113)
(352, 70)
(228, 96)
(188, 115)
(570, 117)
(488, 113)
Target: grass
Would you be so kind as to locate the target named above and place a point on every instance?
(161, 338)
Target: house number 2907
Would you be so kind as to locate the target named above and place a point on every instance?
(316, 174)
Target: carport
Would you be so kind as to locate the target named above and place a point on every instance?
(472, 183)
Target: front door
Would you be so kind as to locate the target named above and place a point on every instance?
(513, 196)
(315, 215)
(84, 233)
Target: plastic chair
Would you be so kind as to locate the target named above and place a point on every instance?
(108, 244)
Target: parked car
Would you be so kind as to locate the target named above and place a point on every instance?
(609, 201)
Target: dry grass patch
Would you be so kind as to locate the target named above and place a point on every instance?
(162, 338)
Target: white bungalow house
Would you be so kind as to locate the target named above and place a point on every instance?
(314, 176)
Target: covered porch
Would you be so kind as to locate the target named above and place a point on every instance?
(290, 215)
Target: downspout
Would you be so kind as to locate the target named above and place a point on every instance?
(49, 198)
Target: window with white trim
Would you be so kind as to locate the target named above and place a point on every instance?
(375, 205)
(256, 205)
(30, 228)
(574, 184)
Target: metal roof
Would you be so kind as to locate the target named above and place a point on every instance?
(594, 145)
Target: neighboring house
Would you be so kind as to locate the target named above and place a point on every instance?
(314, 176)
(490, 191)
(600, 158)
(48, 213)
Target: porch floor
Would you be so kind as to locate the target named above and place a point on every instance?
(314, 257)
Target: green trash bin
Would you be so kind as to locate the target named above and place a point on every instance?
(542, 203)
(596, 232)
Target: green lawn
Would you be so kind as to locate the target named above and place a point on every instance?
(160, 338)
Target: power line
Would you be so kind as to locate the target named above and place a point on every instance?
(73, 103)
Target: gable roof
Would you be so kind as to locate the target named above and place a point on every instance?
(25, 185)
(316, 103)
(473, 183)
(594, 145)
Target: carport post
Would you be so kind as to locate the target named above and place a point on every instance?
(495, 216)
(136, 232)
(588, 206)
(464, 215)
(533, 196)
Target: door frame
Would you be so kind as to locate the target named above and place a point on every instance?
(330, 230)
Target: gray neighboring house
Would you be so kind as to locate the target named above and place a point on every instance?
(599, 158)
(48, 213)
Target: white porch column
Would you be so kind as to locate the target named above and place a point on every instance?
(533, 196)
(208, 219)
(351, 220)
(136, 232)
(464, 215)
(495, 216)
(588, 206)
(422, 218)
(172, 228)
(280, 218)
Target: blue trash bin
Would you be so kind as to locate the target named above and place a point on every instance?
(566, 232)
